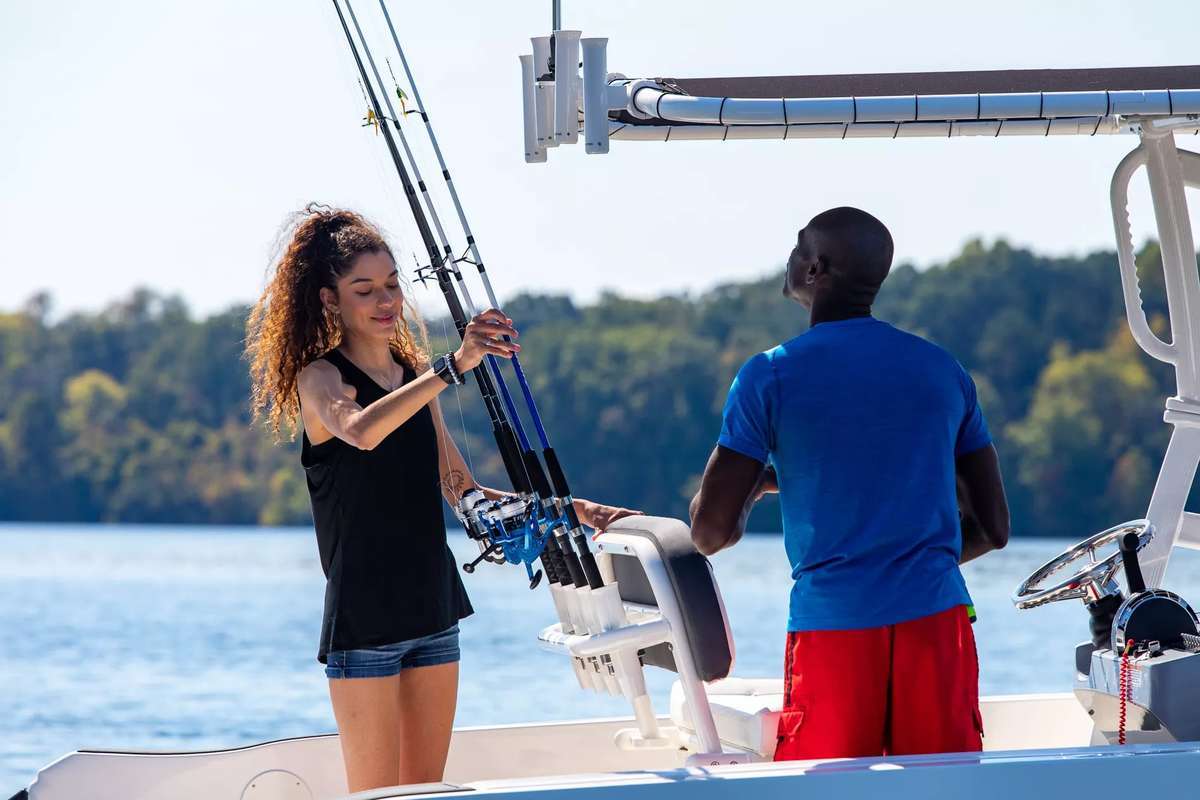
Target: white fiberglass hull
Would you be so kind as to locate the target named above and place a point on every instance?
(1034, 743)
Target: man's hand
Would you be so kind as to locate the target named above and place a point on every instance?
(599, 516)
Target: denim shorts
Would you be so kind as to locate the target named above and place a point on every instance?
(389, 659)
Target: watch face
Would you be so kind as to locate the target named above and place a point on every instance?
(439, 364)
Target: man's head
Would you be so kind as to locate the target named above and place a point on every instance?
(841, 254)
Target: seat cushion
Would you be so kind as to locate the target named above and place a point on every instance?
(745, 710)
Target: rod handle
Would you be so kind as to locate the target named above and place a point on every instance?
(571, 561)
(513, 464)
(537, 475)
(558, 478)
(587, 561)
(551, 559)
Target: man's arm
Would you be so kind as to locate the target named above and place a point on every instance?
(728, 490)
(985, 523)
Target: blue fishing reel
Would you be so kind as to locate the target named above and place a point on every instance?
(510, 530)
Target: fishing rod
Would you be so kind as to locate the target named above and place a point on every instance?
(511, 526)
(533, 468)
(562, 490)
(501, 429)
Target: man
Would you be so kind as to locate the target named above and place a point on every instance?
(866, 432)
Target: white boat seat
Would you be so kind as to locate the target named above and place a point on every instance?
(745, 710)
(746, 713)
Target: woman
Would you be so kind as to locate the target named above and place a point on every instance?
(330, 344)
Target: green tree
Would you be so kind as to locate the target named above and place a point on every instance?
(1092, 432)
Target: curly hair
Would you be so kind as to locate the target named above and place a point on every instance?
(289, 327)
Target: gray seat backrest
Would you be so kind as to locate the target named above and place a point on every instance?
(705, 626)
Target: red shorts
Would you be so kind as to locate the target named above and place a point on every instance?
(896, 690)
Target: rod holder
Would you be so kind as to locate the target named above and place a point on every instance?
(566, 98)
(534, 154)
(544, 110)
(595, 94)
(544, 92)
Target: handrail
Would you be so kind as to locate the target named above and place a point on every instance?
(1135, 312)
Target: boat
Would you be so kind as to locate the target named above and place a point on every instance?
(1130, 720)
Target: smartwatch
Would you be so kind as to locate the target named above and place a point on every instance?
(444, 368)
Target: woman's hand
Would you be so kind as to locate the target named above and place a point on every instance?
(485, 336)
(598, 516)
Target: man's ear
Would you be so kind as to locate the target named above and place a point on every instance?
(819, 272)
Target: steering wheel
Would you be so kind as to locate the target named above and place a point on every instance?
(1091, 581)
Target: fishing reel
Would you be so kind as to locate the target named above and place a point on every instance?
(510, 530)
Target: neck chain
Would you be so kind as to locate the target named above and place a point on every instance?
(388, 382)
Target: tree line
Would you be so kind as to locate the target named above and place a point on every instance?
(138, 412)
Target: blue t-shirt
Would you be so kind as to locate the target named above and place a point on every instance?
(862, 423)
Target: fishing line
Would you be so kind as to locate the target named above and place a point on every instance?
(532, 467)
(561, 489)
(461, 416)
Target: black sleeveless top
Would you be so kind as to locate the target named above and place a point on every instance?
(390, 575)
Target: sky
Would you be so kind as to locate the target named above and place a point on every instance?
(164, 144)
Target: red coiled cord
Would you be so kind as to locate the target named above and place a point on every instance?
(1125, 686)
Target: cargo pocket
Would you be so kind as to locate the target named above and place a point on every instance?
(787, 739)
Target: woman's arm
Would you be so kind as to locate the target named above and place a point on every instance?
(456, 480)
(326, 400)
(455, 476)
(323, 394)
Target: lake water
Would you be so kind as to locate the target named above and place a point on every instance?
(185, 638)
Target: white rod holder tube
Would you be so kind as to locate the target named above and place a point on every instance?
(595, 94)
(533, 153)
(545, 114)
(566, 103)
(541, 57)
(544, 105)
(562, 608)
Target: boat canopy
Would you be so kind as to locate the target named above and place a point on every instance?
(1037, 102)
(1027, 102)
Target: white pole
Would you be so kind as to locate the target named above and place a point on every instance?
(1169, 199)
(1164, 169)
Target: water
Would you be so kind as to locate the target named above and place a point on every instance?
(184, 638)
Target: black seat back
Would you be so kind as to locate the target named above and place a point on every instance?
(705, 626)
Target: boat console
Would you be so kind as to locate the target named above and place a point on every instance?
(1139, 676)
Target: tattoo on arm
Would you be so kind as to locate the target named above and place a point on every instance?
(452, 484)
